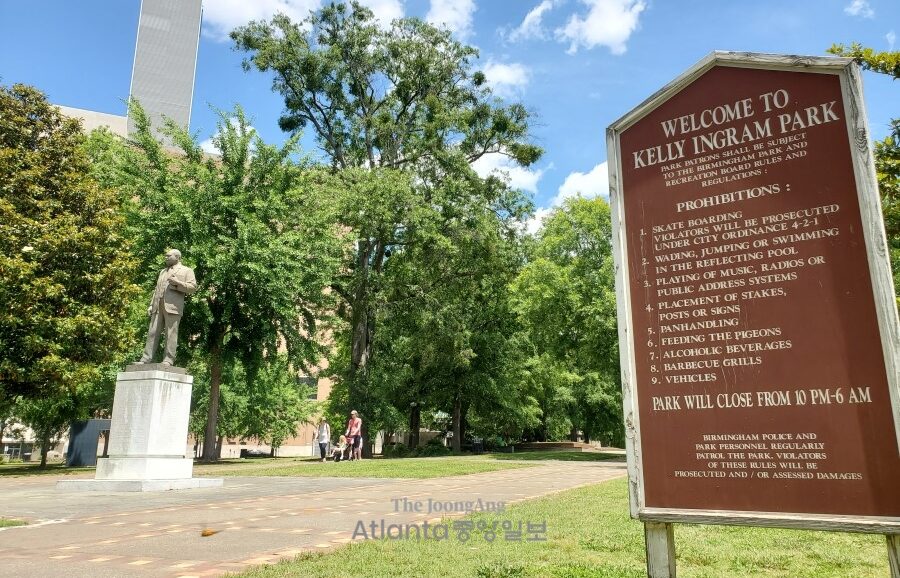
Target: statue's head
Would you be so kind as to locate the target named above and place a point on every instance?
(173, 256)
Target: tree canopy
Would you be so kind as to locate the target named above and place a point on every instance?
(400, 113)
(390, 97)
(565, 300)
(66, 274)
(257, 228)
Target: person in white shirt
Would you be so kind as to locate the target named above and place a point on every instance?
(324, 437)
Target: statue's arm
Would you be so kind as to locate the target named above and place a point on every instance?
(189, 285)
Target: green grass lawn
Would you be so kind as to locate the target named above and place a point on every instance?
(9, 522)
(559, 455)
(589, 534)
(375, 468)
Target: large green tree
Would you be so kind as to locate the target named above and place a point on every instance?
(565, 300)
(65, 268)
(257, 227)
(405, 98)
(446, 324)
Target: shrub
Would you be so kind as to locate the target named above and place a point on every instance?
(433, 448)
(395, 451)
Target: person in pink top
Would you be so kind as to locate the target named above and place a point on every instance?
(354, 435)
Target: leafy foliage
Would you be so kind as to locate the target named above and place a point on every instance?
(401, 113)
(565, 301)
(65, 268)
(883, 62)
(277, 403)
(389, 98)
(258, 229)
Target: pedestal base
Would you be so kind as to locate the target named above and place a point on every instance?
(137, 485)
(148, 435)
(144, 468)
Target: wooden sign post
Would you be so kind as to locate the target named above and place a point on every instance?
(758, 330)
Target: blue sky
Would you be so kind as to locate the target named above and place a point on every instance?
(577, 64)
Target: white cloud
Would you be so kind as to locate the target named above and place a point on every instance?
(506, 80)
(591, 184)
(534, 224)
(454, 14)
(222, 16)
(860, 8)
(891, 37)
(518, 177)
(531, 25)
(208, 147)
(385, 11)
(608, 23)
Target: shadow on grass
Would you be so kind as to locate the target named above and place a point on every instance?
(35, 469)
(560, 456)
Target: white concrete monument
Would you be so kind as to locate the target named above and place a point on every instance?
(148, 434)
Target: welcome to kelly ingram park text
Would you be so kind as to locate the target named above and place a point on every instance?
(750, 131)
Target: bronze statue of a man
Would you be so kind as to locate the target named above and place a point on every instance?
(167, 305)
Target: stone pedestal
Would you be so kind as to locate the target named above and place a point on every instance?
(148, 434)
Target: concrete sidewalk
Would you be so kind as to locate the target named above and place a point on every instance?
(257, 520)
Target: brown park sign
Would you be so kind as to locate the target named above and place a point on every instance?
(758, 328)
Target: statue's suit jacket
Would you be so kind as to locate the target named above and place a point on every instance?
(173, 299)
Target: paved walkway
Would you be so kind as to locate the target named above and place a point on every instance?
(256, 520)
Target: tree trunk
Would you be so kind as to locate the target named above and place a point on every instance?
(45, 445)
(415, 424)
(360, 345)
(210, 449)
(573, 434)
(457, 418)
(463, 426)
(105, 444)
(370, 257)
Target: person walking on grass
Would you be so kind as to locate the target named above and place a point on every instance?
(324, 437)
(354, 435)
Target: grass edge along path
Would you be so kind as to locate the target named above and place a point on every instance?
(416, 468)
(420, 468)
(11, 522)
(590, 534)
(560, 455)
(20, 469)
